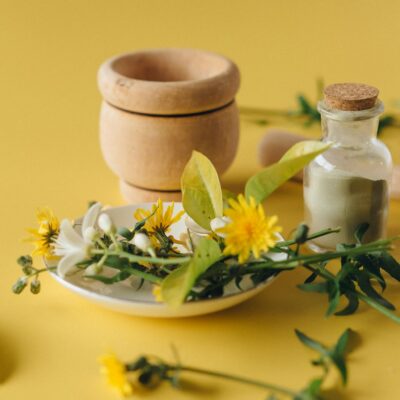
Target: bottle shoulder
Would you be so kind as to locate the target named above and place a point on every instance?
(372, 160)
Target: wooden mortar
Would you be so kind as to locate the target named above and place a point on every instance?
(159, 106)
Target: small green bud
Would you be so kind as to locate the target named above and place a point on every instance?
(25, 261)
(20, 285)
(301, 233)
(27, 270)
(35, 286)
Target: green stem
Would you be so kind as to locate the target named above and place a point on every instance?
(36, 272)
(151, 260)
(144, 275)
(315, 258)
(115, 241)
(378, 307)
(235, 378)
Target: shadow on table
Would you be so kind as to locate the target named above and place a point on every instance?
(189, 385)
(8, 359)
(342, 394)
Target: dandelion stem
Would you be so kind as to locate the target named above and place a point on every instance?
(236, 378)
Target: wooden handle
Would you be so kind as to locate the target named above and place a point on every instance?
(274, 145)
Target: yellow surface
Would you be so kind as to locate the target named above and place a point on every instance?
(49, 155)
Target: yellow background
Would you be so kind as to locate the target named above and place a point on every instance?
(49, 155)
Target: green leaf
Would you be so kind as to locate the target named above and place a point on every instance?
(304, 105)
(312, 391)
(311, 343)
(140, 224)
(371, 266)
(338, 352)
(341, 344)
(390, 265)
(201, 190)
(334, 296)
(320, 287)
(365, 285)
(341, 366)
(117, 262)
(177, 285)
(125, 233)
(387, 120)
(351, 306)
(121, 276)
(261, 185)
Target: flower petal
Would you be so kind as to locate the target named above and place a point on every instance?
(91, 215)
(68, 239)
(68, 262)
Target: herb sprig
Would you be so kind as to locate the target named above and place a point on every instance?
(305, 113)
(363, 266)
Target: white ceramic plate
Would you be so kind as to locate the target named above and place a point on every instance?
(123, 296)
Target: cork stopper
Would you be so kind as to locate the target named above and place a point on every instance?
(350, 96)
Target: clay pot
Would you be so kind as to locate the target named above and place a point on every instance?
(159, 106)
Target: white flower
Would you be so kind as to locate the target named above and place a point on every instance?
(72, 247)
(218, 223)
(105, 223)
(142, 241)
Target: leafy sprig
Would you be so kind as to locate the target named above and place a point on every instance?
(151, 371)
(305, 113)
(357, 278)
(362, 267)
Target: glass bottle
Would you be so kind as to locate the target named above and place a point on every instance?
(349, 183)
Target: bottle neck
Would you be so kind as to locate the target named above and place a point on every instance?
(350, 128)
(350, 133)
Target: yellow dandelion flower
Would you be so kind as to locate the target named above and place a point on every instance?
(116, 374)
(158, 221)
(249, 230)
(157, 293)
(43, 236)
